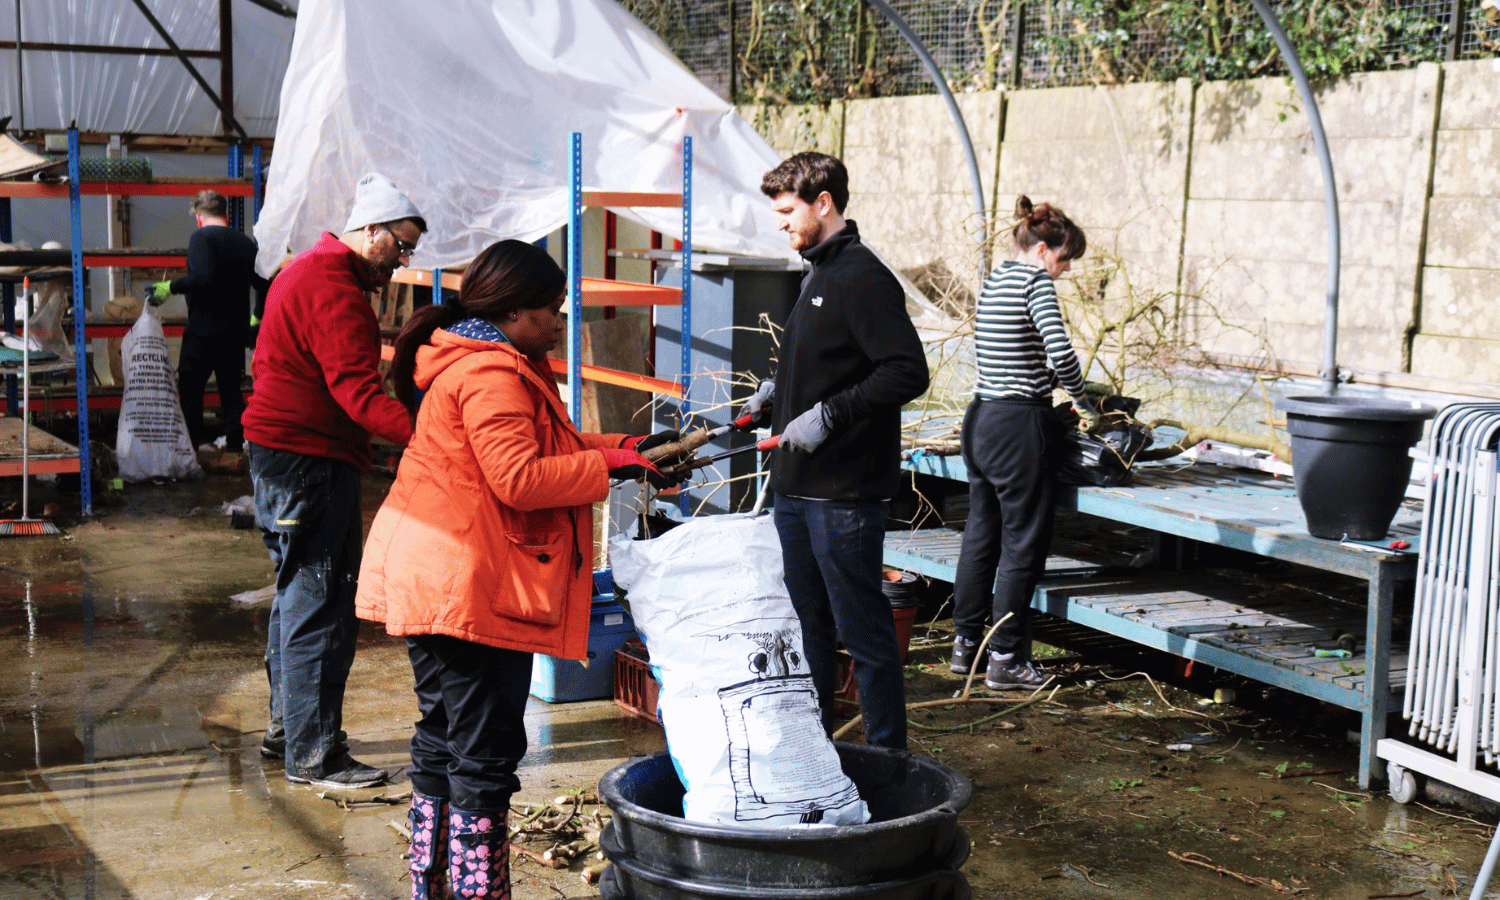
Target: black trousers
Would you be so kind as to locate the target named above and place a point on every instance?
(224, 359)
(1009, 447)
(472, 731)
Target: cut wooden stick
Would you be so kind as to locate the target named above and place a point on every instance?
(685, 445)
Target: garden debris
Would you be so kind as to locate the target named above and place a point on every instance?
(560, 833)
(1198, 859)
(347, 801)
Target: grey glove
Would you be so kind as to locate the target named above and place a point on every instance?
(758, 407)
(807, 431)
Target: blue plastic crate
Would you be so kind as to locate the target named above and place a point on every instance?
(566, 680)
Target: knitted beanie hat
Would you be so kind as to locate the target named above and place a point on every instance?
(377, 200)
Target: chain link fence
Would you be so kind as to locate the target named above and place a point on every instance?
(811, 51)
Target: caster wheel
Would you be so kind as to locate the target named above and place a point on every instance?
(1403, 783)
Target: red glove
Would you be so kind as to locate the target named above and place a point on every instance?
(632, 466)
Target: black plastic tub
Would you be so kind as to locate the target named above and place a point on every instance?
(624, 880)
(900, 588)
(913, 833)
(1351, 461)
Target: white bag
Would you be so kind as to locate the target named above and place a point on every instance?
(153, 439)
(45, 324)
(737, 700)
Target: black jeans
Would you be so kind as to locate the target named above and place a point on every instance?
(1009, 447)
(225, 361)
(831, 554)
(308, 510)
(472, 733)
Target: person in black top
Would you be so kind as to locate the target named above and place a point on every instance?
(221, 273)
(850, 358)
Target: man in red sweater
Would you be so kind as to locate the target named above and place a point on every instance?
(317, 400)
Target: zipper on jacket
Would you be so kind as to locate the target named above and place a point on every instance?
(577, 553)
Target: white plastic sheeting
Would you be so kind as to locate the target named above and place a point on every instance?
(125, 93)
(467, 105)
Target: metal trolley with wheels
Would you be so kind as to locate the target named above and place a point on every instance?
(1452, 700)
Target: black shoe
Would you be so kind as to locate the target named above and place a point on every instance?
(345, 772)
(273, 742)
(1006, 673)
(964, 653)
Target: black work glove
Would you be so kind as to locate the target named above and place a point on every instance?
(642, 444)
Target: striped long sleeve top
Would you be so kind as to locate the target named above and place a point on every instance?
(1018, 329)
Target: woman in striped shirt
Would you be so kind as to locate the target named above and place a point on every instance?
(1011, 439)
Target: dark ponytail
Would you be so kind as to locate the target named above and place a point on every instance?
(1048, 224)
(416, 332)
(505, 276)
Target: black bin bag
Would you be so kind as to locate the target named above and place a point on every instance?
(1103, 458)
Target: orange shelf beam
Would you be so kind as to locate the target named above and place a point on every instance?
(451, 280)
(603, 292)
(593, 373)
(97, 401)
(597, 292)
(621, 379)
(120, 329)
(124, 260)
(36, 466)
(161, 187)
(631, 198)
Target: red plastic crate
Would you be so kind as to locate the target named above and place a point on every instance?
(846, 692)
(636, 689)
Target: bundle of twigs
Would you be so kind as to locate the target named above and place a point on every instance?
(561, 833)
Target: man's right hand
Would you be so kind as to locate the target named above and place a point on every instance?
(806, 432)
(758, 407)
(160, 291)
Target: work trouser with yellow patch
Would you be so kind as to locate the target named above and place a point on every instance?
(308, 510)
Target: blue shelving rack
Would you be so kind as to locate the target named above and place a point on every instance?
(73, 192)
(577, 289)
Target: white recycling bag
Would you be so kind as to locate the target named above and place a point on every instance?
(737, 701)
(152, 441)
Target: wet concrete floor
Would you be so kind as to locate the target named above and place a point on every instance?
(133, 695)
(131, 704)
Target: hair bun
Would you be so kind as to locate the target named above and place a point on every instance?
(1023, 208)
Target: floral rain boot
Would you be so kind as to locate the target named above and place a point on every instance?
(478, 855)
(429, 846)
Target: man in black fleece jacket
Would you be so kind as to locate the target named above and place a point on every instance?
(849, 359)
(221, 273)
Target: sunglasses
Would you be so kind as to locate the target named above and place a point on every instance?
(402, 247)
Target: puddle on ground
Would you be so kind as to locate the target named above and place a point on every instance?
(134, 694)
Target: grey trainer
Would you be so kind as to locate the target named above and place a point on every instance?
(344, 771)
(1006, 673)
(964, 652)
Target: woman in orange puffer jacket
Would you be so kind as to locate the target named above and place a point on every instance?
(482, 553)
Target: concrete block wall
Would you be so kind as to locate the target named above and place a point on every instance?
(914, 196)
(1215, 194)
(1256, 231)
(1458, 334)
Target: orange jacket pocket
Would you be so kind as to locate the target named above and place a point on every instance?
(534, 580)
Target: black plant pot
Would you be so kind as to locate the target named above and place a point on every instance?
(1351, 461)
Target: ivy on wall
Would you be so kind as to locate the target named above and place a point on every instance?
(816, 51)
(1222, 40)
